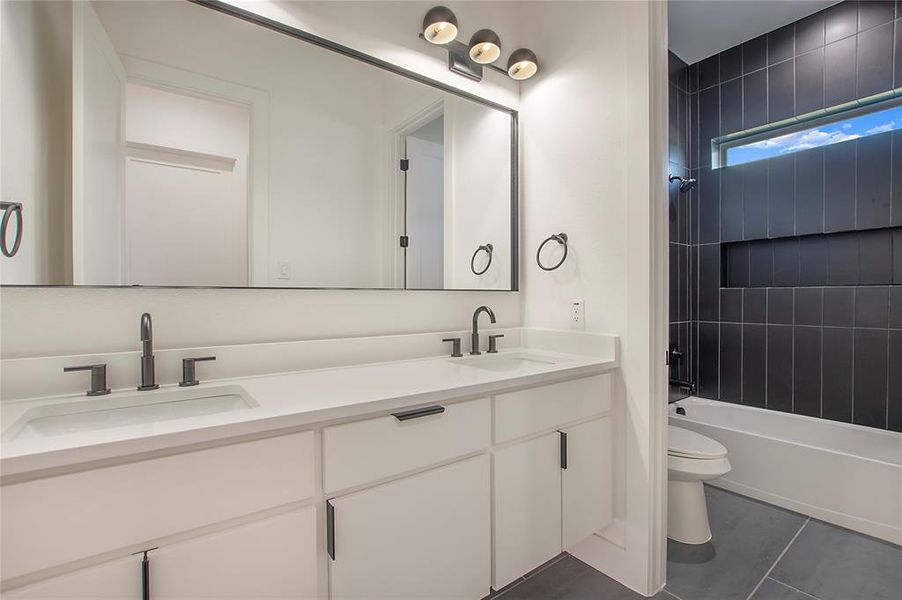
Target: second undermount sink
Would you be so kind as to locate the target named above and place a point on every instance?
(124, 409)
(505, 362)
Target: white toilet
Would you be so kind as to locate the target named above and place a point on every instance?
(691, 459)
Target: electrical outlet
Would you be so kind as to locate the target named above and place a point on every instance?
(578, 314)
(284, 269)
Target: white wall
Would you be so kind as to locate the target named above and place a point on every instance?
(587, 128)
(35, 61)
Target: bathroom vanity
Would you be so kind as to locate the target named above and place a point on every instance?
(416, 478)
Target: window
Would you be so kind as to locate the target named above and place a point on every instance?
(837, 128)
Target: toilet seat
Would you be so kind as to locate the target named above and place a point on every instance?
(684, 443)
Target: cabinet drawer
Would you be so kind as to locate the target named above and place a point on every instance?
(363, 451)
(56, 520)
(529, 411)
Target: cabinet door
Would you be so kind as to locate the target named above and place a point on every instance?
(527, 507)
(587, 490)
(424, 536)
(118, 579)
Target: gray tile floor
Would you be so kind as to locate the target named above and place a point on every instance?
(759, 552)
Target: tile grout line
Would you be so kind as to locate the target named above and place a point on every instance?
(671, 594)
(804, 593)
(517, 582)
(779, 558)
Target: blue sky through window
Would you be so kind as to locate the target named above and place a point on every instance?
(831, 133)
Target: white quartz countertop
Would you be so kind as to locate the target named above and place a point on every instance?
(282, 401)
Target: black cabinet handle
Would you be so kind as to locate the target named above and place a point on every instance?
(563, 450)
(418, 412)
(330, 529)
(145, 573)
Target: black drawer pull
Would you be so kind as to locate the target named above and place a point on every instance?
(563, 450)
(418, 412)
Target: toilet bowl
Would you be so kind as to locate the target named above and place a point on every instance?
(691, 459)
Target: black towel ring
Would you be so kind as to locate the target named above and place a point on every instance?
(8, 209)
(488, 248)
(560, 238)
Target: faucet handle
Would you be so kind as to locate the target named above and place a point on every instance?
(493, 345)
(455, 346)
(189, 371)
(98, 378)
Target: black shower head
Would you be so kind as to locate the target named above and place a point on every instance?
(685, 184)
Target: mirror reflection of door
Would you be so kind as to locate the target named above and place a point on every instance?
(425, 206)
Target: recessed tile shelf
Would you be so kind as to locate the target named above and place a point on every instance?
(852, 258)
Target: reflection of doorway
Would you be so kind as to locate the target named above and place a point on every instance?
(425, 205)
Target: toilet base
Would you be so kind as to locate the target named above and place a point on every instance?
(687, 512)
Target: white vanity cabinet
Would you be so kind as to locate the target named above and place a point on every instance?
(423, 536)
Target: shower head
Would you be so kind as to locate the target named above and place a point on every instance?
(685, 184)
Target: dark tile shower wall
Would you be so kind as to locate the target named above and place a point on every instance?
(796, 261)
(681, 329)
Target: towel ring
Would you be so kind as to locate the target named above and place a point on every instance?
(489, 249)
(560, 238)
(8, 209)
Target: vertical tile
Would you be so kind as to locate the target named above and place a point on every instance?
(708, 123)
(894, 395)
(781, 44)
(808, 306)
(754, 365)
(897, 257)
(807, 371)
(683, 345)
(873, 181)
(876, 257)
(731, 211)
(693, 283)
(836, 376)
(730, 362)
(709, 72)
(872, 307)
(761, 264)
(754, 305)
(895, 308)
(840, 81)
(673, 191)
(731, 106)
(693, 78)
(683, 209)
(810, 32)
(683, 284)
(896, 175)
(708, 205)
(781, 196)
(809, 183)
(781, 91)
(897, 58)
(730, 63)
(841, 20)
(754, 200)
(731, 305)
(737, 269)
(677, 71)
(709, 282)
(874, 12)
(839, 307)
(875, 60)
(754, 99)
(780, 306)
(870, 377)
(813, 260)
(810, 82)
(673, 284)
(839, 186)
(693, 132)
(708, 360)
(786, 262)
(779, 367)
(754, 54)
(842, 259)
(693, 207)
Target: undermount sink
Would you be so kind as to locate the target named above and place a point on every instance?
(504, 362)
(127, 408)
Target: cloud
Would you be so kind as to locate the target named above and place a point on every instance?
(802, 140)
(882, 128)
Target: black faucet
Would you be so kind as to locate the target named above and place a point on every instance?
(474, 336)
(148, 379)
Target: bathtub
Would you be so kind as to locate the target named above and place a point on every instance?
(844, 474)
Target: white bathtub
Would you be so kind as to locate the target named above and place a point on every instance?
(844, 474)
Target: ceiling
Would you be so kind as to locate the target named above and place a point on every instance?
(701, 28)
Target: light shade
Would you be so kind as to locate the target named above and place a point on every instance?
(439, 25)
(522, 64)
(485, 46)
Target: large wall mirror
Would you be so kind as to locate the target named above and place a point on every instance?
(190, 144)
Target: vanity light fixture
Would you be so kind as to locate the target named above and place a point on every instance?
(439, 25)
(485, 47)
(440, 28)
(522, 64)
